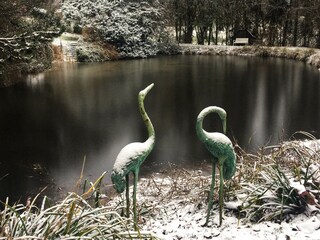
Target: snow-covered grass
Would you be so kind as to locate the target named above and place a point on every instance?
(274, 195)
(72, 218)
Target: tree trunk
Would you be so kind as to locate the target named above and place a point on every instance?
(180, 30)
(188, 34)
(210, 35)
(295, 30)
(177, 31)
(318, 37)
(255, 30)
(216, 38)
(201, 35)
(285, 33)
(227, 35)
(189, 21)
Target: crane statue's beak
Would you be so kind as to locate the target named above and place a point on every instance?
(224, 126)
(147, 89)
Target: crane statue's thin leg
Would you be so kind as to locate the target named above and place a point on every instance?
(136, 173)
(127, 196)
(211, 190)
(221, 193)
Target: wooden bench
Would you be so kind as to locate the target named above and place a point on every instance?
(241, 41)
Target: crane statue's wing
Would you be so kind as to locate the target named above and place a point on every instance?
(129, 156)
(221, 145)
(229, 165)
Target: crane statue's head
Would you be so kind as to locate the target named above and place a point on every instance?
(119, 182)
(144, 92)
(223, 116)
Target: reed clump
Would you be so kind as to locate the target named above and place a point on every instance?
(279, 182)
(72, 218)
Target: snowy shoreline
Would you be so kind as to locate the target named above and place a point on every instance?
(308, 55)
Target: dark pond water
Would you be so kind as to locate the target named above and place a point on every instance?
(50, 123)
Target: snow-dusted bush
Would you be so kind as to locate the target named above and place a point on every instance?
(131, 26)
(315, 60)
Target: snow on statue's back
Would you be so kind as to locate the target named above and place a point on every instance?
(132, 156)
(127, 157)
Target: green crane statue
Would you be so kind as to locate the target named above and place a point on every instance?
(220, 146)
(131, 157)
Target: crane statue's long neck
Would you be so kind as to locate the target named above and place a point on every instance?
(147, 121)
(199, 124)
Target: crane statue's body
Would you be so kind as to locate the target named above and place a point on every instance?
(132, 156)
(220, 146)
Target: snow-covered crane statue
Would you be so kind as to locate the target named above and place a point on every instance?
(220, 146)
(132, 156)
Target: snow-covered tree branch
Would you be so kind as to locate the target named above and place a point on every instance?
(23, 46)
(26, 31)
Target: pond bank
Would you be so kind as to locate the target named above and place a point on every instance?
(95, 54)
(74, 49)
(308, 55)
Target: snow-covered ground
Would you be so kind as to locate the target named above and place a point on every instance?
(173, 205)
(182, 216)
(187, 224)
